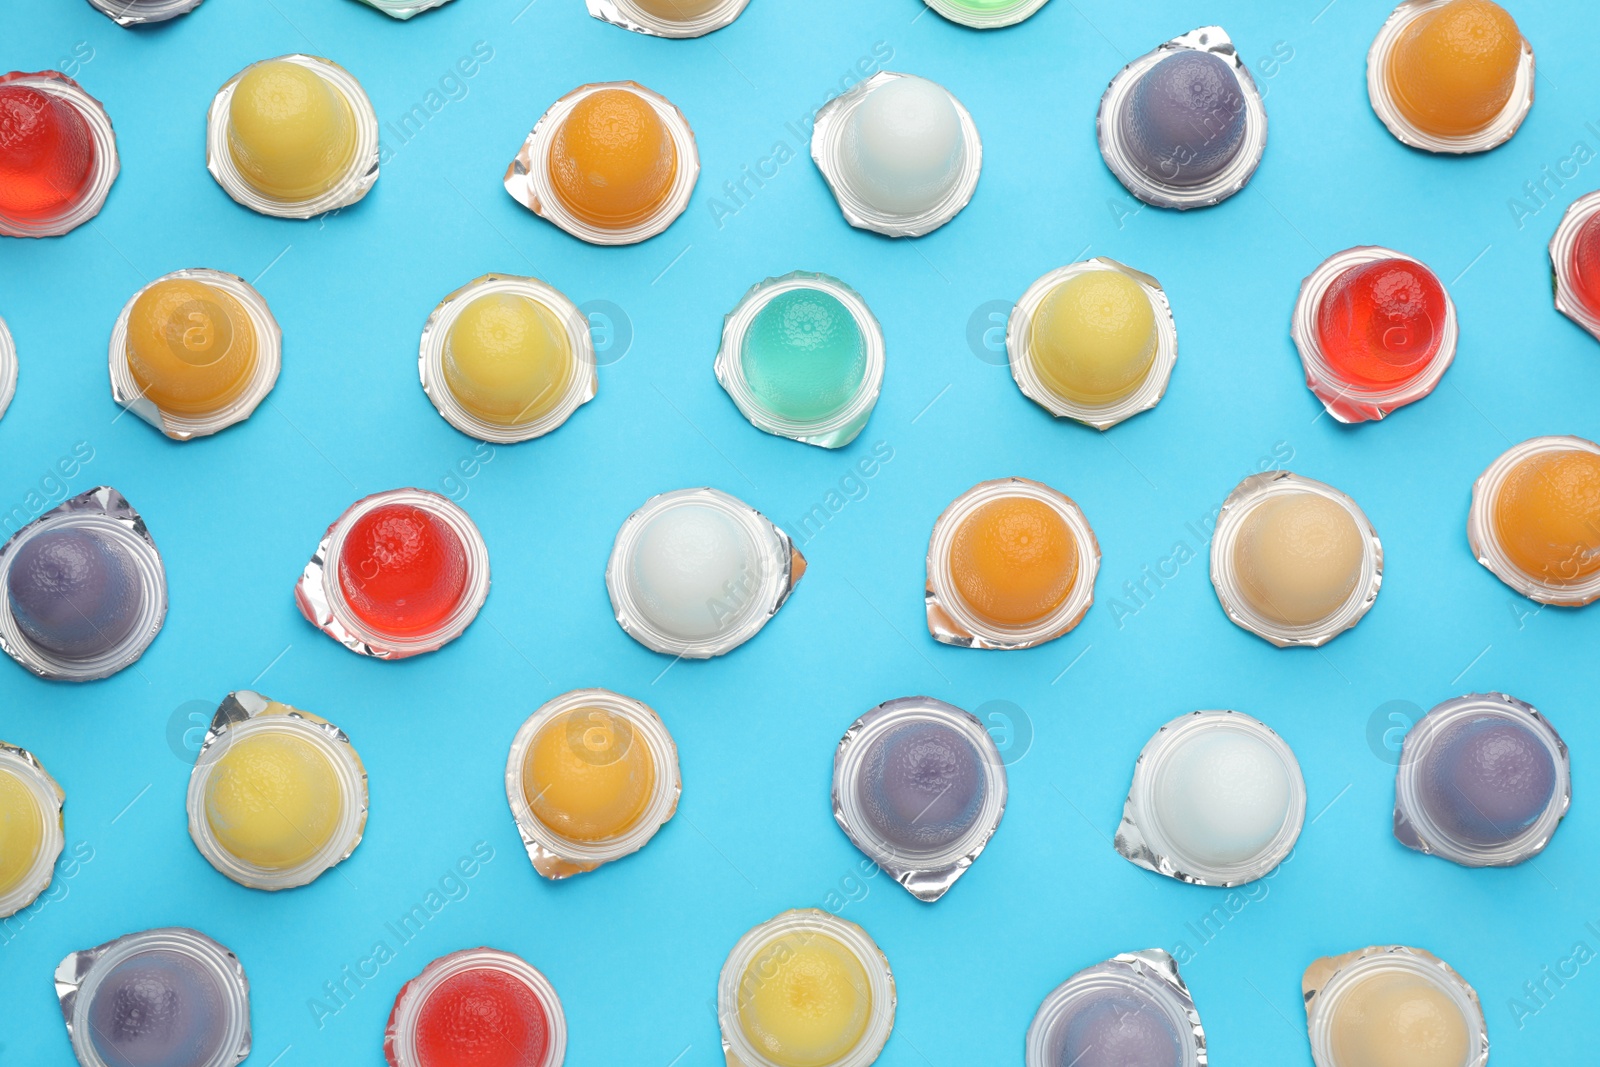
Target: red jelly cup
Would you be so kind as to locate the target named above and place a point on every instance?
(1376, 331)
(399, 573)
(476, 1008)
(1575, 261)
(58, 155)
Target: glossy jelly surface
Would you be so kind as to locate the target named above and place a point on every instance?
(1398, 1020)
(291, 132)
(1487, 780)
(1014, 560)
(922, 786)
(158, 1008)
(804, 356)
(677, 10)
(1382, 323)
(507, 359)
(588, 775)
(48, 160)
(21, 830)
(1453, 68)
(1222, 796)
(1547, 515)
(805, 1000)
(1115, 1028)
(402, 570)
(74, 592)
(694, 570)
(1093, 339)
(612, 160)
(482, 1017)
(1585, 265)
(1298, 557)
(903, 146)
(191, 346)
(1184, 120)
(273, 800)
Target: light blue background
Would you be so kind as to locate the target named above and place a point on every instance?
(635, 948)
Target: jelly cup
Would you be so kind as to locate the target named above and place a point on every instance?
(744, 568)
(668, 18)
(756, 961)
(1345, 398)
(1484, 536)
(1511, 818)
(119, 602)
(141, 12)
(25, 783)
(185, 426)
(1578, 294)
(910, 827)
(106, 991)
(1364, 576)
(349, 186)
(1101, 414)
(404, 9)
(1193, 815)
(1381, 92)
(1137, 113)
(591, 719)
(1431, 986)
(414, 1039)
(246, 718)
(581, 383)
(8, 367)
(88, 154)
(1140, 994)
(986, 14)
(529, 180)
(453, 579)
(903, 163)
(833, 428)
(953, 619)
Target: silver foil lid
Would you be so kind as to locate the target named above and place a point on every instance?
(1120, 158)
(827, 150)
(1346, 401)
(245, 714)
(78, 977)
(1252, 492)
(555, 856)
(926, 875)
(1143, 841)
(633, 16)
(269, 360)
(322, 602)
(105, 166)
(799, 925)
(1327, 980)
(952, 622)
(582, 383)
(1484, 537)
(357, 180)
(404, 9)
(528, 177)
(1563, 245)
(831, 431)
(986, 17)
(51, 800)
(8, 367)
(1413, 825)
(1019, 349)
(1150, 972)
(400, 1036)
(140, 12)
(741, 610)
(106, 511)
(1381, 94)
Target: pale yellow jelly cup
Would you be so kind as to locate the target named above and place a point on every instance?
(291, 132)
(507, 359)
(1093, 339)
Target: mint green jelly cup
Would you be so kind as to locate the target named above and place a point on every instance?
(986, 14)
(802, 357)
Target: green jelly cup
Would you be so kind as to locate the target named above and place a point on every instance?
(986, 14)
